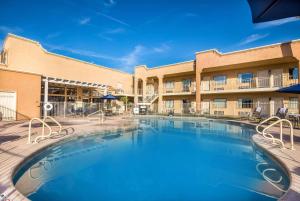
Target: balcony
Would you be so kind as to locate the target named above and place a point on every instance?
(191, 90)
(257, 84)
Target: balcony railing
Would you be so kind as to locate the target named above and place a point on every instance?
(253, 83)
(182, 90)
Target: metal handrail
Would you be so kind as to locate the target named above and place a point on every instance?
(55, 121)
(101, 115)
(43, 130)
(270, 136)
(268, 179)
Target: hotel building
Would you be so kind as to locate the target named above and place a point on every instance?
(230, 84)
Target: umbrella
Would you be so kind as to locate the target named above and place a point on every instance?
(109, 97)
(294, 89)
(268, 10)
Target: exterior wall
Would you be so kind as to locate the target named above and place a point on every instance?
(232, 108)
(178, 105)
(178, 87)
(28, 90)
(29, 56)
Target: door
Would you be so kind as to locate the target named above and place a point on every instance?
(186, 106)
(265, 105)
(263, 80)
(8, 105)
(275, 104)
(205, 106)
(205, 84)
(276, 78)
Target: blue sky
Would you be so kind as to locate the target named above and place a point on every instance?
(124, 33)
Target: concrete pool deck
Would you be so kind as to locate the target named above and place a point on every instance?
(14, 149)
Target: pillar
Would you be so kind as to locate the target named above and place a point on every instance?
(160, 92)
(45, 95)
(135, 90)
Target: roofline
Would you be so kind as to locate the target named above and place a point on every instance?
(164, 66)
(59, 55)
(248, 49)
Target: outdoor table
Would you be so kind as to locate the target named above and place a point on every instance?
(295, 118)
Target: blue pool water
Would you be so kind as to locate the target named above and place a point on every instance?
(164, 160)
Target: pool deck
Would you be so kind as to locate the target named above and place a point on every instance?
(14, 148)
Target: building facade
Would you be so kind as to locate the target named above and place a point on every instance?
(230, 84)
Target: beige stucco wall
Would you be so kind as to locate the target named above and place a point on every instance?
(28, 89)
(29, 56)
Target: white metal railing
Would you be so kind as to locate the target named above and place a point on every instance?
(43, 130)
(273, 182)
(56, 122)
(101, 115)
(270, 136)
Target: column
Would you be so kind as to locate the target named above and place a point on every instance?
(198, 87)
(160, 92)
(135, 90)
(144, 88)
(45, 96)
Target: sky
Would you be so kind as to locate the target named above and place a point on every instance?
(124, 33)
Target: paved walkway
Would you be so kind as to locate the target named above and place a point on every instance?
(14, 149)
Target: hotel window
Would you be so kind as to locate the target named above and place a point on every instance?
(220, 79)
(293, 103)
(220, 103)
(169, 104)
(56, 90)
(169, 84)
(245, 77)
(245, 103)
(186, 84)
(293, 73)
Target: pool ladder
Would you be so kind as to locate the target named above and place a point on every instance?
(44, 124)
(100, 118)
(270, 136)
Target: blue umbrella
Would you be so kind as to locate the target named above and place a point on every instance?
(109, 97)
(294, 89)
(268, 10)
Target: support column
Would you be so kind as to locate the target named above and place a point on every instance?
(46, 84)
(135, 90)
(198, 94)
(144, 88)
(160, 92)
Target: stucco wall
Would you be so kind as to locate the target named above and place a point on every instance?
(28, 90)
(29, 56)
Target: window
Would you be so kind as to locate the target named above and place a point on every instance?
(220, 103)
(293, 103)
(245, 77)
(186, 84)
(293, 73)
(169, 103)
(169, 84)
(245, 103)
(56, 90)
(220, 79)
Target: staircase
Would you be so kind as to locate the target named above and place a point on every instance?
(149, 99)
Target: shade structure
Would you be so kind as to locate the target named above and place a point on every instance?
(269, 10)
(294, 89)
(109, 97)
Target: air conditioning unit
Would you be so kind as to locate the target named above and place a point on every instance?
(219, 113)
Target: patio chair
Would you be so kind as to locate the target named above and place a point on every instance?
(256, 115)
(282, 112)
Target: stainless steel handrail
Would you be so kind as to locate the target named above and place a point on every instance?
(43, 130)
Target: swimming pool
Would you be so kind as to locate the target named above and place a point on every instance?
(164, 160)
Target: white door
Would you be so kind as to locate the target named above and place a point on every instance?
(263, 80)
(265, 105)
(275, 104)
(8, 105)
(205, 84)
(205, 106)
(276, 78)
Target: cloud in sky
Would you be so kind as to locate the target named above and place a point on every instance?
(113, 19)
(252, 38)
(84, 21)
(109, 3)
(53, 35)
(6, 29)
(132, 58)
(115, 31)
(162, 48)
(276, 22)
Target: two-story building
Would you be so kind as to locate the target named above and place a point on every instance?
(230, 84)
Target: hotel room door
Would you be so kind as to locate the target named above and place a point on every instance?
(263, 80)
(205, 106)
(264, 103)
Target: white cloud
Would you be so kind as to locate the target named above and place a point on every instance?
(6, 29)
(113, 19)
(252, 38)
(276, 22)
(115, 31)
(109, 3)
(84, 21)
(53, 35)
(132, 58)
(163, 48)
(105, 37)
